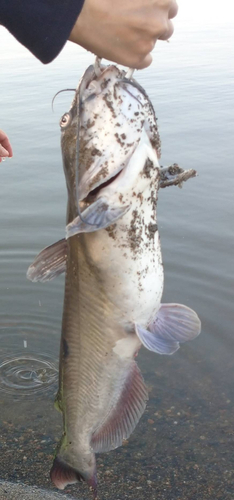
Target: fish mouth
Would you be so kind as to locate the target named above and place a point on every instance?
(96, 190)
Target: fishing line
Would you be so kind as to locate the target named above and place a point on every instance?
(97, 70)
(78, 104)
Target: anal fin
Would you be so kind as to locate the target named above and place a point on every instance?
(174, 324)
(49, 263)
(125, 411)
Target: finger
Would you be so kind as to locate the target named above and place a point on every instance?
(7, 146)
(173, 10)
(144, 63)
(3, 151)
(167, 33)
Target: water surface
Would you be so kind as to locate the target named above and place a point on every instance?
(183, 446)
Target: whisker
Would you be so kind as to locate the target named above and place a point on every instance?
(59, 92)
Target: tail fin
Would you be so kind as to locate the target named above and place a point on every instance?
(62, 474)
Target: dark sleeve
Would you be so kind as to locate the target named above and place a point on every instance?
(43, 26)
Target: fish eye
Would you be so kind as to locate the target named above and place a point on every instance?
(65, 120)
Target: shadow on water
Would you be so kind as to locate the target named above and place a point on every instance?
(183, 446)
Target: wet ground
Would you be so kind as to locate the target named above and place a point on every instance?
(18, 491)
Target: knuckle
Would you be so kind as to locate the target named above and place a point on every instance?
(168, 32)
(161, 27)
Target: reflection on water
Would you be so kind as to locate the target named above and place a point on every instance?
(182, 447)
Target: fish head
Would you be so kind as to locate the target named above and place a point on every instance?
(102, 130)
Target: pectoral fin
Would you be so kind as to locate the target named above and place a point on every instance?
(174, 175)
(49, 263)
(174, 324)
(97, 216)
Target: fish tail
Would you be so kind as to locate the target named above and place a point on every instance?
(63, 474)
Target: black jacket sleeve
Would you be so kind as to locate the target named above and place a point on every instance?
(43, 26)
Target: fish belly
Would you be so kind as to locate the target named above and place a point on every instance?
(128, 256)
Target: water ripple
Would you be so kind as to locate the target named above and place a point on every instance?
(27, 374)
(28, 358)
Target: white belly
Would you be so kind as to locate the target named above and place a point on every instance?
(128, 255)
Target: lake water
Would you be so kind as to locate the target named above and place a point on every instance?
(183, 445)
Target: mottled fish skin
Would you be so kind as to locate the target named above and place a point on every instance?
(112, 115)
(114, 276)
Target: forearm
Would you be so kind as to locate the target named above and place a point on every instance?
(43, 26)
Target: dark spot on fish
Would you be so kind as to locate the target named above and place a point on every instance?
(109, 104)
(85, 156)
(137, 113)
(120, 197)
(65, 348)
(96, 152)
(111, 231)
(104, 83)
(90, 124)
(118, 139)
(147, 170)
(153, 199)
(152, 228)
(115, 90)
(135, 232)
(123, 136)
(140, 197)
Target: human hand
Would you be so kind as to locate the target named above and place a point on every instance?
(5, 146)
(124, 31)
